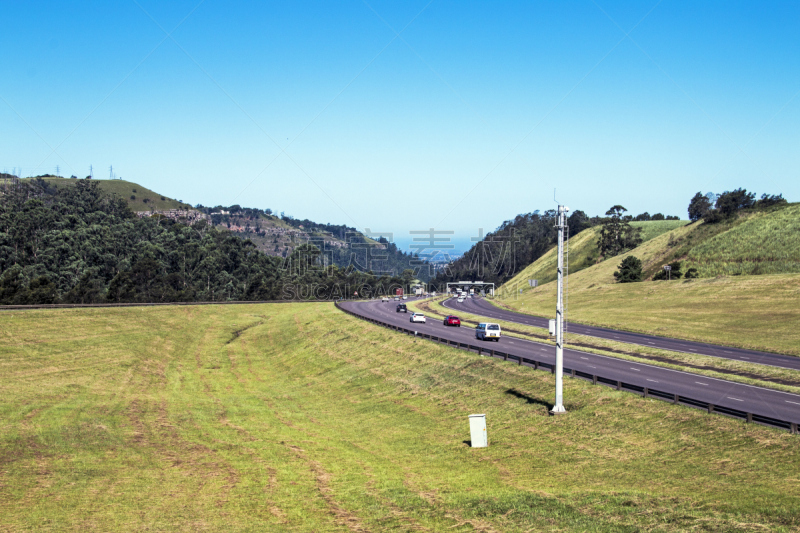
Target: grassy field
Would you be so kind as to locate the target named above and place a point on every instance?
(132, 193)
(296, 417)
(757, 312)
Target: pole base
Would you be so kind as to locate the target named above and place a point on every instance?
(558, 410)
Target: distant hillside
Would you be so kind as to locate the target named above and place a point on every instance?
(137, 197)
(583, 253)
(273, 235)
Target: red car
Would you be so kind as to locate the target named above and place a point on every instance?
(452, 320)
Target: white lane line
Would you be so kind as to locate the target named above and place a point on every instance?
(706, 384)
(746, 358)
(726, 351)
(737, 399)
(635, 369)
(592, 366)
(787, 401)
(692, 350)
(585, 358)
(648, 342)
(654, 381)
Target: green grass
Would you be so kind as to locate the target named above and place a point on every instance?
(764, 243)
(298, 417)
(653, 228)
(126, 189)
(583, 253)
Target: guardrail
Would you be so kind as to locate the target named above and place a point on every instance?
(646, 392)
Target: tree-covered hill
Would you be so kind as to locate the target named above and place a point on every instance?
(77, 244)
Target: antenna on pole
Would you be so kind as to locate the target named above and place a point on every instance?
(561, 224)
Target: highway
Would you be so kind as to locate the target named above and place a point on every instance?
(479, 306)
(722, 393)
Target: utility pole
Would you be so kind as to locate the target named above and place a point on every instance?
(91, 171)
(58, 170)
(561, 224)
(111, 172)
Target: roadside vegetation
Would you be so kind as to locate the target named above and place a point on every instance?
(298, 417)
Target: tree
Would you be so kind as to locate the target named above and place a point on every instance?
(699, 207)
(770, 200)
(578, 221)
(731, 201)
(630, 270)
(617, 235)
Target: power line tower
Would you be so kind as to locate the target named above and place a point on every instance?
(91, 171)
(111, 172)
(561, 224)
(58, 170)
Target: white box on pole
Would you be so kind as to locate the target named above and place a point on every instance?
(552, 327)
(477, 431)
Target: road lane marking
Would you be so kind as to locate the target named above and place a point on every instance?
(654, 381)
(737, 399)
(585, 358)
(635, 369)
(745, 358)
(706, 384)
(787, 401)
(726, 351)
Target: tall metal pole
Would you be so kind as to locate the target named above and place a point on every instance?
(561, 224)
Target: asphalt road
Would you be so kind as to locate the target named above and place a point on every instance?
(479, 306)
(756, 400)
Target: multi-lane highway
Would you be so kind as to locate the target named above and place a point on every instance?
(479, 306)
(740, 397)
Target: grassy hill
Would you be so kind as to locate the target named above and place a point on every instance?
(297, 417)
(139, 198)
(583, 253)
(745, 310)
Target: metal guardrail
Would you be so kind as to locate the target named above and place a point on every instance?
(646, 392)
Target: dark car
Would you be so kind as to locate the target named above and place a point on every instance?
(452, 320)
(401, 308)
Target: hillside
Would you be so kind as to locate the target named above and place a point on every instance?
(137, 197)
(583, 254)
(297, 417)
(729, 255)
(272, 235)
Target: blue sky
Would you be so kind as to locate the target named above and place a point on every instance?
(473, 114)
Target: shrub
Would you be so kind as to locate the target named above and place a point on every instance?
(630, 270)
(692, 273)
(675, 272)
(133, 197)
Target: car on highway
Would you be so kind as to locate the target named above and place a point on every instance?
(396, 298)
(418, 317)
(401, 308)
(460, 299)
(487, 330)
(452, 320)
(405, 297)
(384, 299)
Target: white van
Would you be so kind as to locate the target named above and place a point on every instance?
(487, 331)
